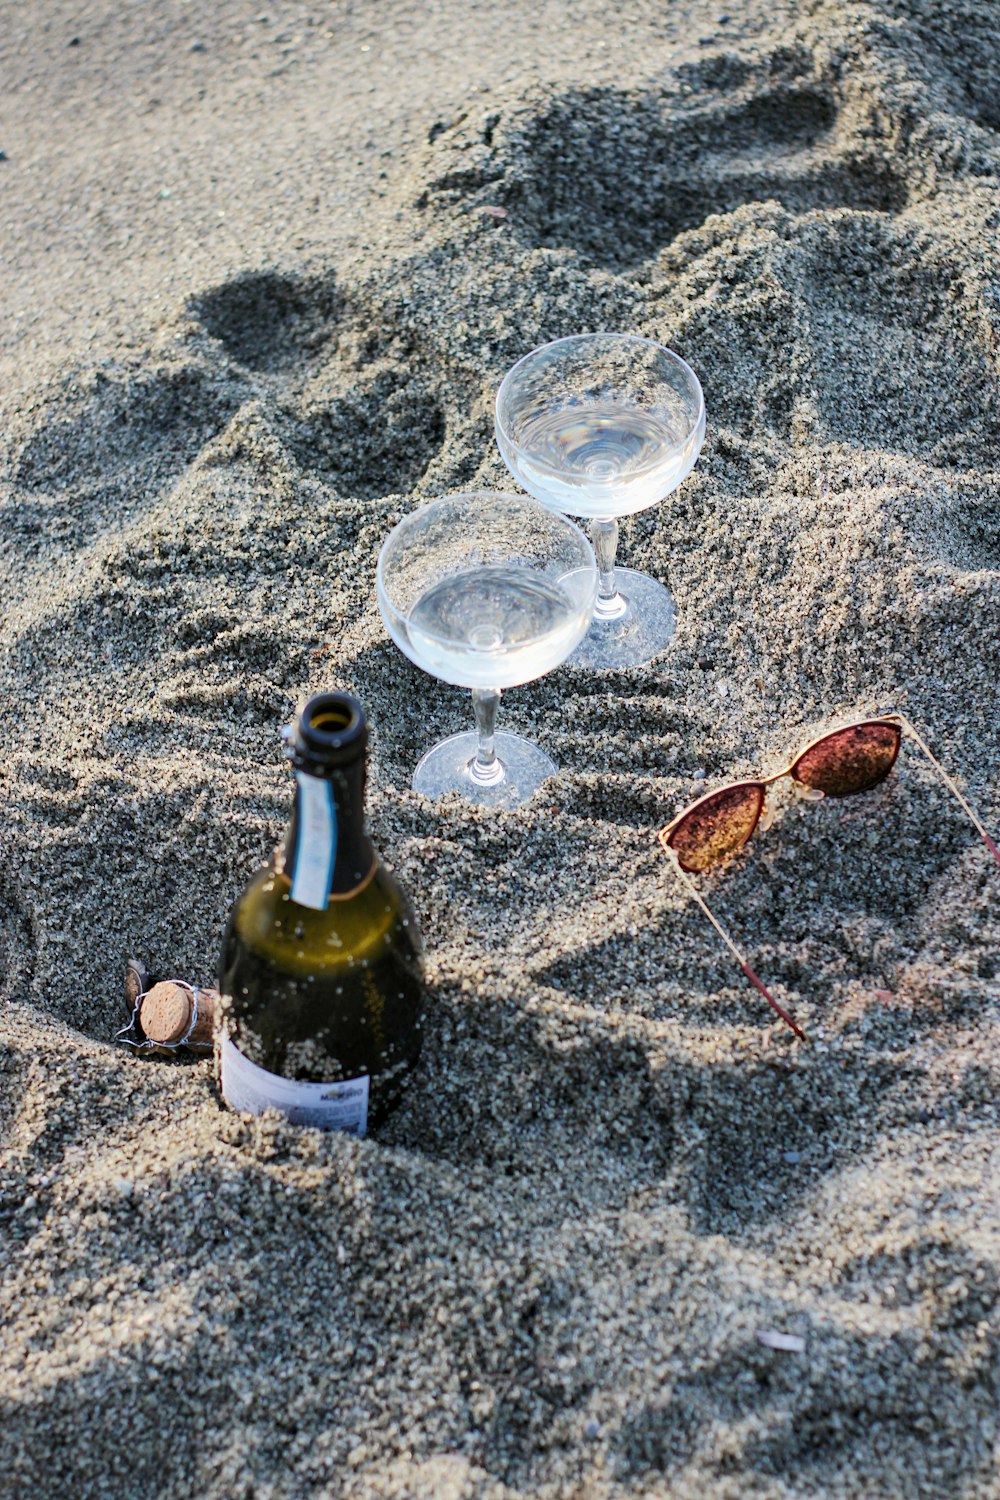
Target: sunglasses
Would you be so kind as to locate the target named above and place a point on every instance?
(852, 759)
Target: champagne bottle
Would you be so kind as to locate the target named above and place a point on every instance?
(320, 976)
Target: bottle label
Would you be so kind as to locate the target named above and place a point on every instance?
(329, 1106)
(316, 844)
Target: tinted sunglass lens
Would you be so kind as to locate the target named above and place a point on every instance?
(717, 826)
(850, 760)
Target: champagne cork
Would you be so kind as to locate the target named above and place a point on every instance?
(173, 1014)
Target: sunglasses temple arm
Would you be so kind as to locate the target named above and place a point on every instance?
(939, 768)
(724, 935)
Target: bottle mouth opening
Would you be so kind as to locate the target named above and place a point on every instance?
(329, 724)
(333, 721)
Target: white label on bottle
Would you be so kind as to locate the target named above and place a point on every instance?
(330, 1106)
(316, 844)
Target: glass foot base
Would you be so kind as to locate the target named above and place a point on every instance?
(638, 633)
(446, 768)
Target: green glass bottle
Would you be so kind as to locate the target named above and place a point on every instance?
(320, 977)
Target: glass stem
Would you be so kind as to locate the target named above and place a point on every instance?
(484, 768)
(610, 604)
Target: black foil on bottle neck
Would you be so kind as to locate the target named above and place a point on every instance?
(330, 740)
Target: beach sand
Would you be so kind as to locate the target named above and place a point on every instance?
(264, 269)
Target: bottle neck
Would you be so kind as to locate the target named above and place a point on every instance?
(326, 852)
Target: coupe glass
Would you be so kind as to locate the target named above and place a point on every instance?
(486, 591)
(603, 425)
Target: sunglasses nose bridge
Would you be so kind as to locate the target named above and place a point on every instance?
(770, 804)
(807, 793)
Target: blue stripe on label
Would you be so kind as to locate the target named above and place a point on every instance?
(316, 845)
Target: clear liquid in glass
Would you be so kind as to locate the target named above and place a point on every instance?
(496, 627)
(599, 459)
